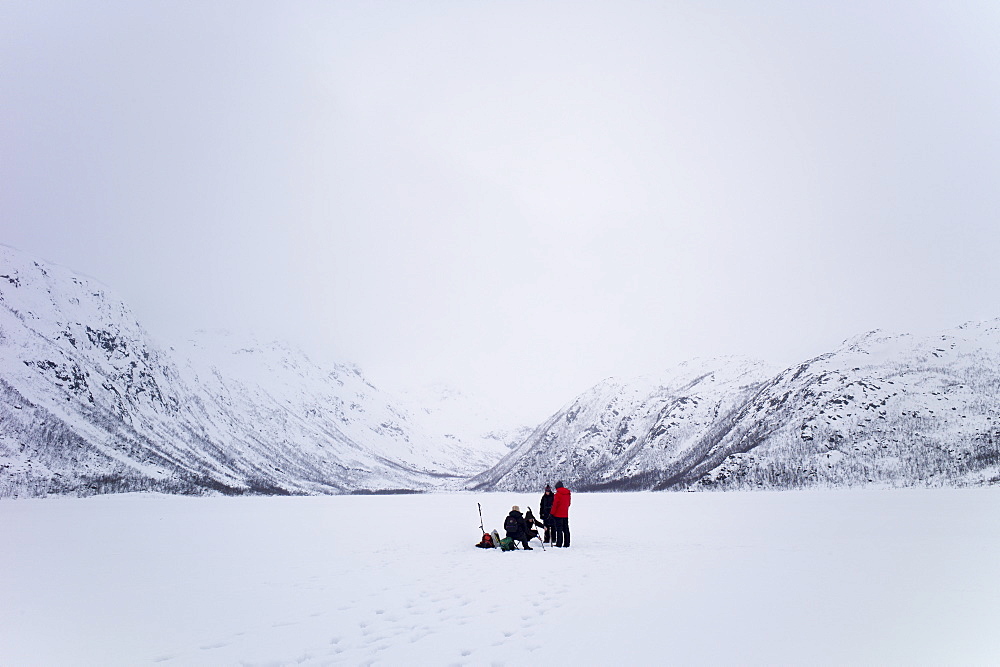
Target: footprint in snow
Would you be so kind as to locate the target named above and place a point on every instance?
(377, 638)
(209, 647)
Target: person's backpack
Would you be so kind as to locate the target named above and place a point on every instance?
(507, 544)
(510, 524)
(487, 542)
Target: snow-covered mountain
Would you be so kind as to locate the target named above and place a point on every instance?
(639, 433)
(885, 410)
(89, 403)
(881, 410)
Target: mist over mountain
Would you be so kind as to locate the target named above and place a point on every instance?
(449, 413)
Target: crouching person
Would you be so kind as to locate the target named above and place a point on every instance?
(530, 522)
(516, 528)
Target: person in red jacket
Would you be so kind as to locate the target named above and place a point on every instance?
(560, 515)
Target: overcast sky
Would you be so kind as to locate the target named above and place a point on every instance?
(517, 198)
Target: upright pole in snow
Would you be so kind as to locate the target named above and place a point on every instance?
(481, 518)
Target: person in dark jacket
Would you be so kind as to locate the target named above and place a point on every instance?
(560, 515)
(516, 529)
(530, 522)
(545, 510)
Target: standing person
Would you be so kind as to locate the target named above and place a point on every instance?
(545, 511)
(516, 528)
(560, 515)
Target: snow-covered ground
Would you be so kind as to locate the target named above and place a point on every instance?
(837, 577)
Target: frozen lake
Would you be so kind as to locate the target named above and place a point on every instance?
(835, 577)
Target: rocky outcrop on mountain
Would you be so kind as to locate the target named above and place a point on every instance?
(881, 410)
(89, 403)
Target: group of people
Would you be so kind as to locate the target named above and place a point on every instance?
(553, 512)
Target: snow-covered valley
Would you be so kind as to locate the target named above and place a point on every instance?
(91, 403)
(902, 577)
